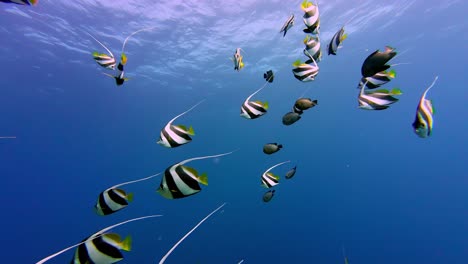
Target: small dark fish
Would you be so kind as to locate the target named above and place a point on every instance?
(376, 62)
(119, 79)
(291, 118)
(303, 104)
(21, 2)
(269, 76)
(268, 196)
(291, 173)
(271, 148)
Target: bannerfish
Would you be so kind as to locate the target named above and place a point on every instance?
(21, 2)
(303, 104)
(271, 148)
(312, 48)
(268, 196)
(305, 72)
(291, 118)
(238, 60)
(269, 179)
(180, 181)
(188, 233)
(90, 252)
(291, 173)
(254, 109)
(119, 78)
(311, 17)
(376, 62)
(377, 79)
(104, 60)
(172, 136)
(336, 41)
(269, 76)
(114, 199)
(424, 121)
(377, 100)
(287, 25)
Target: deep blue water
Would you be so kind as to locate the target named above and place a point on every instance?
(364, 181)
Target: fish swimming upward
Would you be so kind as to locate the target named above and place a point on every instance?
(424, 121)
(376, 62)
(238, 60)
(312, 48)
(119, 78)
(104, 60)
(172, 136)
(377, 100)
(180, 181)
(287, 25)
(269, 179)
(336, 41)
(377, 79)
(254, 109)
(311, 17)
(100, 253)
(305, 72)
(21, 2)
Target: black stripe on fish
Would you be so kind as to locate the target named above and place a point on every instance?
(107, 249)
(171, 141)
(172, 186)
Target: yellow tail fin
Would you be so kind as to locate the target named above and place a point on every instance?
(127, 243)
(203, 179)
(130, 197)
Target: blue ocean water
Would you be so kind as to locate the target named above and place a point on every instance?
(365, 182)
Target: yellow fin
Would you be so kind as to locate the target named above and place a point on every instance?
(113, 236)
(127, 243)
(297, 63)
(191, 131)
(343, 37)
(96, 54)
(203, 179)
(130, 197)
(183, 127)
(123, 59)
(396, 91)
(241, 65)
(191, 170)
(306, 39)
(385, 91)
(265, 105)
(392, 74)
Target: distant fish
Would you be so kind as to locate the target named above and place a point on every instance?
(186, 235)
(303, 104)
(424, 121)
(291, 118)
(21, 2)
(269, 179)
(119, 79)
(172, 136)
(287, 25)
(93, 252)
(377, 100)
(312, 48)
(253, 109)
(377, 79)
(103, 249)
(305, 72)
(336, 41)
(269, 76)
(271, 148)
(291, 173)
(114, 199)
(238, 60)
(268, 196)
(180, 181)
(311, 17)
(376, 62)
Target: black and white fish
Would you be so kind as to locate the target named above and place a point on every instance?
(290, 118)
(291, 173)
(311, 17)
(312, 48)
(269, 179)
(186, 235)
(114, 199)
(104, 60)
(94, 253)
(21, 2)
(269, 76)
(238, 60)
(303, 104)
(424, 120)
(254, 109)
(271, 148)
(377, 79)
(180, 181)
(287, 25)
(377, 100)
(172, 136)
(268, 196)
(103, 249)
(376, 62)
(305, 72)
(335, 42)
(119, 78)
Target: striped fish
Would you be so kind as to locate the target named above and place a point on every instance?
(254, 109)
(103, 249)
(238, 60)
(21, 2)
(180, 181)
(377, 100)
(287, 25)
(376, 62)
(311, 17)
(305, 72)
(172, 136)
(377, 79)
(114, 199)
(424, 121)
(312, 49)
(336, 41)
(269, 179)
(104, 60)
